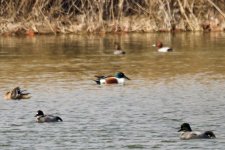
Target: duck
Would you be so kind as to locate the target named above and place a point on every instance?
(160, 47)
(187, 133)
(16, 94)
(41, 117)
(118, 50)
(119, 78)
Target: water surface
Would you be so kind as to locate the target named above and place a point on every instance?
(166, 90)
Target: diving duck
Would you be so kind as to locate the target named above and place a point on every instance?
(160, 47)
(187, 133)
(41, 117)
(16, 94)
(118, 50)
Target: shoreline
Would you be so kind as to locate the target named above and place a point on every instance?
(144, 16)
(126, 25)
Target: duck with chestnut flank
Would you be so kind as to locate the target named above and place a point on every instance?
(119, 78)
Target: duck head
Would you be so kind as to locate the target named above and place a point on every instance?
(39, 113)
(158, 44)
(121, 75)
(117, 46)
(185, 127)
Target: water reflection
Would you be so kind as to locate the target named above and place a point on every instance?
(166, 90)
(81, 56)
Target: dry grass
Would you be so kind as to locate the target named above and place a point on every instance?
(100, 16)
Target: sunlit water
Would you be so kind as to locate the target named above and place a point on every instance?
(166, 90)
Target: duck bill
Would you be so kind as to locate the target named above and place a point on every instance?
(36, 115)
(179, 130)
(126, 78)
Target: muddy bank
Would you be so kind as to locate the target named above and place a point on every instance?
(28, 17)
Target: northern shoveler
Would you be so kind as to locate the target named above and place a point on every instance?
(160, 47)
(16, 94)
(41, 117)
(119, 78)
(118, 50)
(187, 133)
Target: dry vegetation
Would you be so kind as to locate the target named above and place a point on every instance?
(101, 16)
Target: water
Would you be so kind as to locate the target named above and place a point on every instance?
(146, 113)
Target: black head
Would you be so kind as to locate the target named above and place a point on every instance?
(39, 113)
(121, 75)
(185, 127)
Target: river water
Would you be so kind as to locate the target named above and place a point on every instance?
(165, 90)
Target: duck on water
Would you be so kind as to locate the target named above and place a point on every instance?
(119, 78)
(186, 133)
(16, 94)
(41, 117)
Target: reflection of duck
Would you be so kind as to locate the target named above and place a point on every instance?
(41, 117)
(187, 133)
(119, 78)
(118, 50)
(160, 47)
(16, 94)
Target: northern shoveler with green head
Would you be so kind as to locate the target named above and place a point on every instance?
(119, 78)
(16, 94)
(118, 50)
(160, 47)
(187, 133)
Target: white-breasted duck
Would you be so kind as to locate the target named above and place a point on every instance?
(119, 78)
(187, 133)
(41, 117)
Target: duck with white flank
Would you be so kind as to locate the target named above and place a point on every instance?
(16, 94)
(119, 78)
(160, 47)
(41, 117)
(118, 50)
(187, 133)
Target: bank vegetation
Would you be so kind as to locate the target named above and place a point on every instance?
(110, 16)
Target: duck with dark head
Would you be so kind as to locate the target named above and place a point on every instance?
(16, 94)
(118, 50)
(119, 78)
(187, 133)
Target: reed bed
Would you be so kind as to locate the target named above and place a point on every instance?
(114, 16)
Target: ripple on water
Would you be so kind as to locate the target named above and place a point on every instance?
(165, 90)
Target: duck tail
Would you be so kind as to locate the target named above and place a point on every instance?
(170, 50)
(210, 134)
(59, 119)
(97, 81)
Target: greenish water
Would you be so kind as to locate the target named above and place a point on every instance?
(166, 90)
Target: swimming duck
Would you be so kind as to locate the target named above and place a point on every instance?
(41, 117)
(119, 78)
(160, 47)
(16, 94)
(187, 133)
(118, 50)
